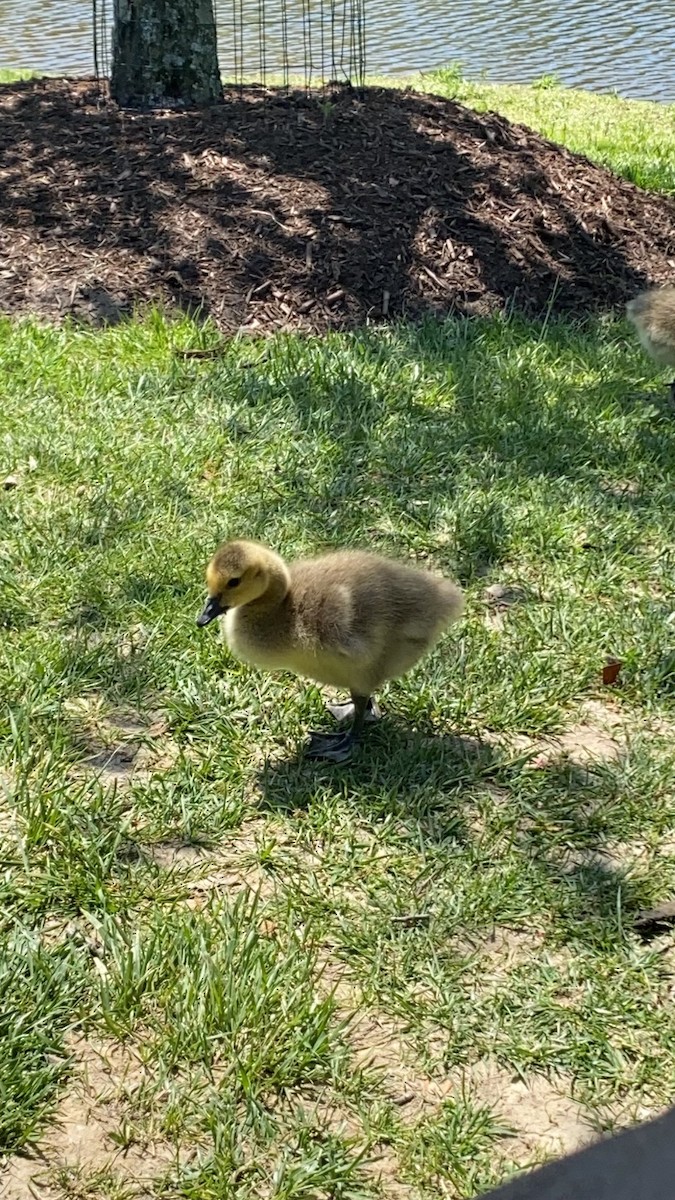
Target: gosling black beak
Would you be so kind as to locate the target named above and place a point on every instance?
(212, 609)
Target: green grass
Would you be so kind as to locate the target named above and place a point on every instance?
(459, 894)
(41, 989)
(496, 450)
(8, 75)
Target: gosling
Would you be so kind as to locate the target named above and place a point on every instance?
(653, 315)
(350, 620)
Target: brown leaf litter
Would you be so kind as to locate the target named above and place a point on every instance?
(272, 211)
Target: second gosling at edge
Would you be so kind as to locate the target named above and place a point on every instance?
(349, 619)
(653, 315)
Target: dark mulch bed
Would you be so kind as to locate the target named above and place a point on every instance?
(273, 211)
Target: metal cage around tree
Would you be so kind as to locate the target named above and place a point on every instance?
(287, 43)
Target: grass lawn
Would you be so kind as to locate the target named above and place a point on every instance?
(231, 973)
(11, 76)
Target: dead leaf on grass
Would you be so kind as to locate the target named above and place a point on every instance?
(611, 671)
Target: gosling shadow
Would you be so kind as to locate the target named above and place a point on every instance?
(408, 772)
(557, 821)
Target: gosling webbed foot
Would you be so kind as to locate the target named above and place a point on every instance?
(346, 712)
(338, 747)
(332, 747)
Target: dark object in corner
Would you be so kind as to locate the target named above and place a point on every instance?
(663, 915)
(638, 1164)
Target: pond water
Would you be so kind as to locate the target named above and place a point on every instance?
(603, 45)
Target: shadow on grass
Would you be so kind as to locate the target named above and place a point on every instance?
(454, 451)
(431, 782)
(572, 816)
(395, 770)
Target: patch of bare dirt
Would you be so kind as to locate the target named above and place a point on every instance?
(545, 1120)
(500, 598)
(380, 1044)
(624, 857)
(120, 747)
(81, 1139)
(275, 210)
(380, 1162)
(233, 867)
(385, 1169)
(8, 828)
(598, 735)
(628, 858)
(504, 949)
(622, 489)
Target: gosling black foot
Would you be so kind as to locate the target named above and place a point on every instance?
(338, 747)
(331, 747)
(346, 712)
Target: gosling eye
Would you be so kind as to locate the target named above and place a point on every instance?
(233, 582)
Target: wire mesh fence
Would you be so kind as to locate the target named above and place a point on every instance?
(287, 43)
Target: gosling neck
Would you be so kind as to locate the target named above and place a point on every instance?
(278, 585)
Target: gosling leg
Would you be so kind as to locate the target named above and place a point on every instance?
(672, 393)
(345, 712)
(337, 747)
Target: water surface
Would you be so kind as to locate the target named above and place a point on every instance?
(603, 46)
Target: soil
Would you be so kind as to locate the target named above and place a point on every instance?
(308, 212)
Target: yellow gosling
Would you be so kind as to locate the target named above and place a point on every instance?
(350, 620)
(653, 315)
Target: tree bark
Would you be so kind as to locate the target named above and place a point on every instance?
(164, 53)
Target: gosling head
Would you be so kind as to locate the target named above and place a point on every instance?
(238, 573)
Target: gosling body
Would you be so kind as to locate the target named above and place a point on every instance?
(351, 620)
(653, 315)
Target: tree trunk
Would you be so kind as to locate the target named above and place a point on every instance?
(164, 53)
